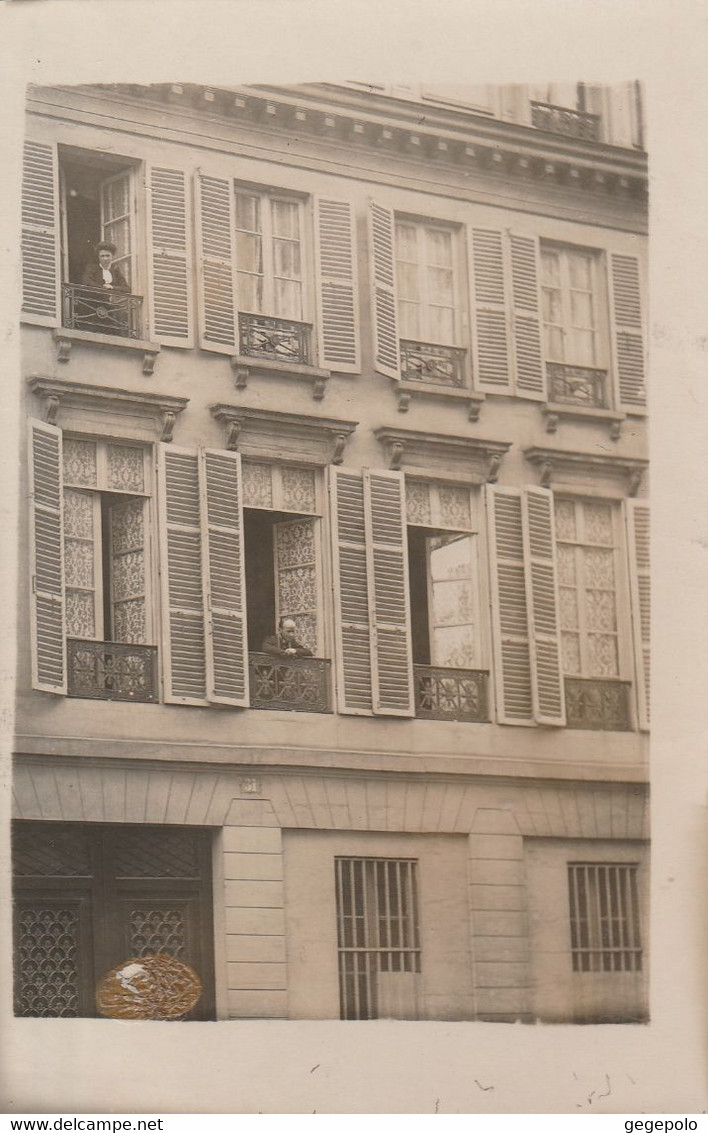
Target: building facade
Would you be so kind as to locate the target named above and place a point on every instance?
(379, 371)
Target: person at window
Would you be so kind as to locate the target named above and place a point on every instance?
(103, 273)
(284, 643)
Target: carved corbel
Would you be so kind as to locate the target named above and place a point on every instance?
(51, 408)
(168, 426)
(318, 389)
(474, 411)
(615, 430)
(396, 456)
(546, 471)
(404, 400)
(63, 349)
(635, 479)
(494, 466)
(340, 441)
(234, 429)
(240, 373)
(149, 359)
(552, 422)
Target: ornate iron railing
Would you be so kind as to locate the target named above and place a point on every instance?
(451, 694)
(577, 385)
(283, 340)
(598, 705)
(563, 120)
(111, 670)
(100, 311)
(295, 684)
(439, 365)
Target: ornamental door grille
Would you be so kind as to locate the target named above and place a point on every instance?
(89, 897)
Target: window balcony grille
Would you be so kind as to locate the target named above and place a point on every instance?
(101, 312)
(451, 694)
(282, 340)
(437, 365)
(577, 385)
(598, 705)
(290, 684)
(563, 120)
(111, 670)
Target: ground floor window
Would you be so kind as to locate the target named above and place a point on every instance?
(604, 918)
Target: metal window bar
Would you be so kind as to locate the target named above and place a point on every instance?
(604, 918)
(378, 937)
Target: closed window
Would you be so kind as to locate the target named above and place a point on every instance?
(269, 255)
(604, 918)
(426, 276)
(574, 321)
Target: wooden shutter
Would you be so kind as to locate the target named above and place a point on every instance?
(383, 290)
(510, 623)
(337, 291)
(40, 232)
(184, 652)
(225, 584)
(392, 654)
(637, 513)
(529, 370)
(490, 317)
(298, 582)
(627, 336)
(47, 630)
(351, 592)
(216, 276)
(169, 258)
(542, 602)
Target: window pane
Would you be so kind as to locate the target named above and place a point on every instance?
(250, 293)
(581, 348)
(409, 320)
(288, 299)
(287, 259)
(439, 247)
(598, 524)
(454, 647)
(565, 519)
(286, 217)
(566, 566)
(441, 287)
(552, 307)
(550, 268)
(450, 557)
(568, 601)
(570, 643)
(581, 309)
(248, 212)
(554, 343)
(602, 655)
(599, 569)
(442, 325)
(406, 242)
(249, 252)
(580, 270)
(600, 610)
(116, 198)
(407, 281)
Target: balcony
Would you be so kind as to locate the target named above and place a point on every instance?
(563, 120)
(101, 312)
(451, 694)
(601, 706)
(110, 670)
(436, 365)
(290, 684)
(580, 386)
(281, 340)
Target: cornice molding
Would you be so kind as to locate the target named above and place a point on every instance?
(442, 456)
(577, 468)
(272, 435)
(59, 394)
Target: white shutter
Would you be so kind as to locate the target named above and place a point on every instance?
(383, 290)
(40, 232)
(337, 292)
(224, 576)
(542, 602)
(169, 257)
(637, 513)
(47, 630)
(510, 623)
(627, 336)
(184, 651)
(216, 275)
(529, 370)
(298, 583)
(392, 654)
(351, 592)
(490, 317)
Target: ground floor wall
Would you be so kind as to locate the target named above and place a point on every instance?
(472, 898)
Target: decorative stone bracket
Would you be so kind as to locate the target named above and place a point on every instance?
(439, 456)
(245, 367)
(407, 390)
(66, 338)
(272, 435)
(556, 413)
(57, 393)
(618, 475)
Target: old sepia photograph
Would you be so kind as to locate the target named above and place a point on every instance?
(333, 650)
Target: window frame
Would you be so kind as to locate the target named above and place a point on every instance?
(597, 953)
(269, 195)
(602, 330)
(422, 226)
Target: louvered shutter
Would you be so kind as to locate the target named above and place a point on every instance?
(47, 632)
(529, 370)
(337, 293)
(218, 310)
(627, 336)
(490, 316)
(351, 591)
(40, 232)
(383, 290)
(510, 623)
(392, 667)
(184, 652)
(542, 602)
(224, 573)
(637, 513)
(169, 257)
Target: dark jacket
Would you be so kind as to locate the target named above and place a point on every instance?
(93, 277)
(278, 645)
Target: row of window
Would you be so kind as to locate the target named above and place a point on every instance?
(243, 545)
(452, 305)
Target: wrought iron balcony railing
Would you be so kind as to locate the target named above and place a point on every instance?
(295, 684)
(563, 120)
(282, 340)
(101, 311)
(598, 705)
(439, 365)
(112, 670)
(577, 385)
(451, 694)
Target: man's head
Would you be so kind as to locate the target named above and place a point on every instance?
(105, 253)
(288, 628)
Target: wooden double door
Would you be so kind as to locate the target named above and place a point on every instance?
(88, 897)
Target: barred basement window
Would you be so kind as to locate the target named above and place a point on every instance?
(378, 937)
(604, 918)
